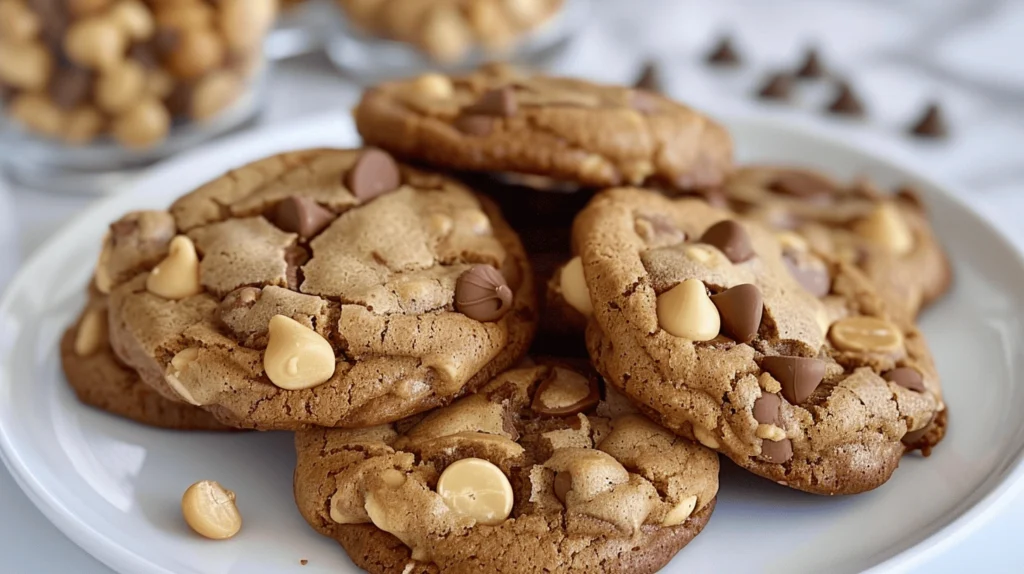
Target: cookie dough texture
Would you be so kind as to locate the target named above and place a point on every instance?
(377, 283)
(592, 487)
(502, 120)
(100, 380)
(888, 237)
(844, 434)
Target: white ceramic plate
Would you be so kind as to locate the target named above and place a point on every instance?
(113, 487)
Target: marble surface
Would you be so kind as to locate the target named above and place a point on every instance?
(898, 54)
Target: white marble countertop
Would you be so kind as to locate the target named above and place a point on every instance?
(898, 54)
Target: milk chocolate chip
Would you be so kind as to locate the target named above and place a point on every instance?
(768, 409)
(482, 294)
(301, 215)
(811, 67)
(740, 308)
(776, 87)
(731, 239)
(375, 173)
(906, 377)
(723, 53)
(777, 452)
(799, 376)
(814, 278)
(500, 102)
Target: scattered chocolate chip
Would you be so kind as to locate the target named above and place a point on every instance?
(70, 86)
(740, 308)
(479, 126)
(768, 409)
(723, 53)
(815, 279)
(906, 377)
(912, 437)
(846, 102)
(811, 67)
(482, 294)
(649, 78)
(562, 485)
(301, 215)
(643, 101)
(777, 87)
(777, 452)
(731, 239)
(931, 124)
(799, 376)
(374, 173)
(500, 102)
(801, 184)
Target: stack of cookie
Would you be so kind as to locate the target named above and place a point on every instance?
(377, 302)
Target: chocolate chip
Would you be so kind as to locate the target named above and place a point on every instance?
(777, 452)
(912, 437)
(374, 173)
(776, 87)
(70, 86)
(799, 376)
(649, 78)
(562, 485)
(723, 54)
(301, 215)
(768, 409)
(811, 67)
(482, 294)
(815, 279)
(500, 102)
(906, 377)
(801, 184)
(846, 102)
(740, 308)
(931, 124)
(731, 239)
(295, 257)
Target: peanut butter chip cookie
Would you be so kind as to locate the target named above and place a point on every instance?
(888, 237)
(501, 120)
(717, 340)
(321, 287)
(534, 473)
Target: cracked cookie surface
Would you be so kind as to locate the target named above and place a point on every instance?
(592, 485)
(318, 287)
(501, 120)
(707, 328)
(887, 236)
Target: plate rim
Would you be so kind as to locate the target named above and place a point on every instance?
(121, 558)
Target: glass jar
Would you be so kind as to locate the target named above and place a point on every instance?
(374, 40)
(93, 90)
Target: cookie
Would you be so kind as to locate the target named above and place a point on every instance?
(323, 287)
(700, 319)
(887, 236)
(534, 473)
(502, 120)
(101, 381)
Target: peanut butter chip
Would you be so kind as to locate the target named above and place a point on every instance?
(177, 276)
(887, 227)
(482, 294)
(565, 392)
(92, 333)
(297, 357)
(574, 287)
(680, 512)
(476, 488)
(686, 311)
(865, 335)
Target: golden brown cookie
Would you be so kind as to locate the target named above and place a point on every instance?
(501, 120)
(101, 381)
(321, 287)
(697, 318)
(888, 237)
(534, 473)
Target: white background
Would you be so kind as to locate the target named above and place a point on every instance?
(968, 54)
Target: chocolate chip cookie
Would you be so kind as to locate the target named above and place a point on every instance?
(502, 120)
(701, 320)
(100, 380)
(887, 236)
(534, 473)
(321, 287)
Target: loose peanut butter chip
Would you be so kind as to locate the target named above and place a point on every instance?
(731, 239)
(476, 488)
(574, 287)
(297, 357)
(798, 376)
(740, 308)
(482, 294)
(906, 377)
(686, 311)
(680, 512)
(777, 452)
(887, 227)
(92, 333)
(177, 276)
(565, 392)
(865, 335)
(375, 173)
(210, 510)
